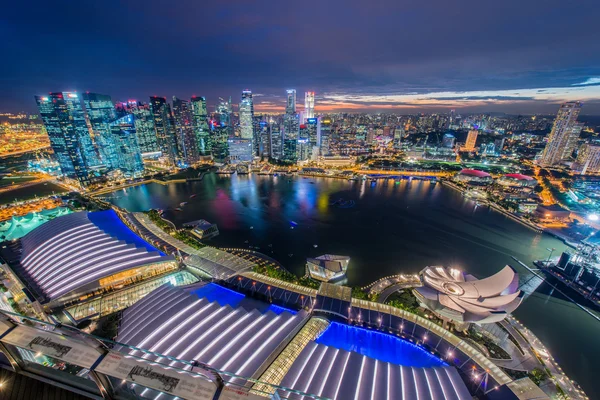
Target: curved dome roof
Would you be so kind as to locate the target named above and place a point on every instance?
(78, 249)
(475, 300)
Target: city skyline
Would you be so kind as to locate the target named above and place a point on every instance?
(474, 58)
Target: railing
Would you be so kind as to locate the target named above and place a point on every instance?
(101, 368)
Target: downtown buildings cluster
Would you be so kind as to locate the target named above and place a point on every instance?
(93, 136)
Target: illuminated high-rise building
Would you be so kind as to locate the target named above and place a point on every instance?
(200, 119)
(220, 142)
(101, 112)
(324, 135)
(309, 105)
(165, 131)
(276, 140)
(290, 107)
(588, 159)
(397, 138)
(144, 129)
(291, 130)
(129, 158)
(184, 131)
(246, 110)
(448, 140)
(69, 135)
(471, 140)
(564, 134)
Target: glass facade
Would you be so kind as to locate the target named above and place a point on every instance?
(129, 158)
(68, 133)
(185, 132)
(101, 112)
(200, 121)
(163, 124)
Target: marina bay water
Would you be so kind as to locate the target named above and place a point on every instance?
(386, 228)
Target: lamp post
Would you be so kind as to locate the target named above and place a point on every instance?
(551, 250)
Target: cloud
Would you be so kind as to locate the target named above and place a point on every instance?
(589, 81)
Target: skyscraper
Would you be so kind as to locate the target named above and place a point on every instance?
(68, 133)
(129, 159)
(291, 128)
(200, 119)
(163, 124)
(324, 134)
(564, 134)
(448, 140)
(309, 104)
(276, 141)
(290, 107)
(247, 122)
(588, 159)
(144, 128)
(101, 112)
(184, 131)
(471, 140)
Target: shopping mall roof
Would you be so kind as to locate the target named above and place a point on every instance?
(76, 250)
(474, 172)
(17, 227)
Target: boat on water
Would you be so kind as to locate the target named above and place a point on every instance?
(178, 209)
(182, 203)
(194, 195)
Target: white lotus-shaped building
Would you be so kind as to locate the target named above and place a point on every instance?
(461, 297)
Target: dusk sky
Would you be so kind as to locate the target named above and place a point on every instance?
(515, 56)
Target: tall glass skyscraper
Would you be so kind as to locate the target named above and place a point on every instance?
(324, 134)
(276, 140)
(101, 112)
(165, 131)
(185, 133)
(69, 136)
(129, 158)
(144, 129)
(290, 107)
(564, 134)
(200, 122)
(247, 121)
(309, 104)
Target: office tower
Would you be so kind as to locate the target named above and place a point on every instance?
(303, 144)
(448, 140)
(220, 144)
(70, 139)
(471, 140)
(262, 135)
(324, 135)
(184, 131)
(200, 120)
(488, 149)
(240, 150)
(563, 136)
(290, 107)
(291, 127)
(588, 159)
(101, 112)
(309, 105)
(144, 129)
(247, 122)
(165, 131)
(276, 141)
(312, 131)
(224, 112)
(397, 138)
(129, 158)
(499, 145)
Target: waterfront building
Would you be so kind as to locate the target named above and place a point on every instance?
(128, 155)
(291, 131)
(101, 112)
(473, 176)
(201, 128)
(246, 110)
(224, 112)
(165, 131)
(290, 107)
(312, 132)
(471, 140)
(69, 136)
(276, 140)
(327, 267)
(144, 129)
(202, 229)
(262, 133)
(309, 105)
(588, 159)
(461, 298)
(184, 131)
(324, 135)
(82, 257)
(240, 150)
(552, 213)
(564, 134)
(517, 180)
(220, 142)
(448, 141)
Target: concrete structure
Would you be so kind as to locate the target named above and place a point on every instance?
(518, 180)
(461, 298)
(471, 140)
(588, 159)
(327, 267)
(553, 213)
